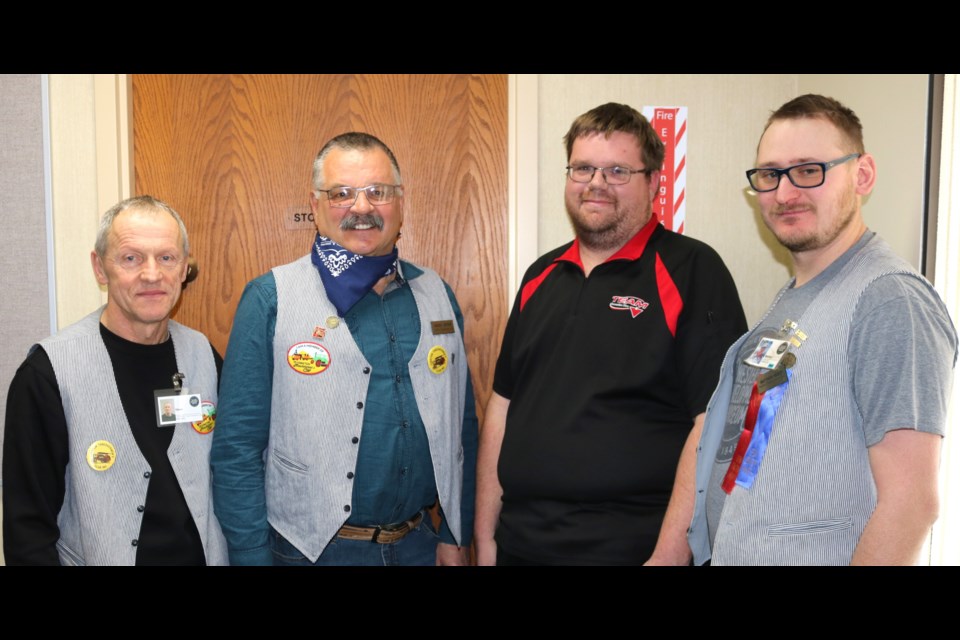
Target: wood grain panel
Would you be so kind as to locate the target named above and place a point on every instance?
(233, 154)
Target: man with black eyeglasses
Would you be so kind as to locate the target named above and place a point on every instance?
(822, 441)
(608, 360)
(346, 405)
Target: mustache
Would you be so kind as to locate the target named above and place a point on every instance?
(354, 220)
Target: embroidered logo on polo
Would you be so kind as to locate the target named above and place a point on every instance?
(633, 304)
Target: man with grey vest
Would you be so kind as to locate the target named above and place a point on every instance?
(821, 444)
(92, 472)
(347, 409)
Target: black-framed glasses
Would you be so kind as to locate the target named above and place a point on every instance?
(803, 176)
(612, 175)
(377, 194)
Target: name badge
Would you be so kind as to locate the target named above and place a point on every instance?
(441, 326)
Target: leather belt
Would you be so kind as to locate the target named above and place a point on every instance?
(383, 534)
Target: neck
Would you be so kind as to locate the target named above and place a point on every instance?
(807, 265)
(153, 333)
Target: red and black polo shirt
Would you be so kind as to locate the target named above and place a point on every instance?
(605, 375)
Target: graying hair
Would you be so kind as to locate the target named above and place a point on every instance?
(138, 203)
(353, 140)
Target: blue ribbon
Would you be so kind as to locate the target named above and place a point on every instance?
(761, 434)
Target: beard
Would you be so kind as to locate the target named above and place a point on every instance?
(816, 238)
(608, 230)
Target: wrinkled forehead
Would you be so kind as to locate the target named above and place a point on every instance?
(357, 168)
(144, 223)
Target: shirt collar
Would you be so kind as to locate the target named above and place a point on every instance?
(632, 250)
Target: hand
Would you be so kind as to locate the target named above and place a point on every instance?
(450, 555)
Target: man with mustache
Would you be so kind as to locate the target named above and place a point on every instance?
(346, 405)
(825, 451)
(608, 361)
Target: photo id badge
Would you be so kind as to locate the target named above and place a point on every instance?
(768, 353)
(172, 407)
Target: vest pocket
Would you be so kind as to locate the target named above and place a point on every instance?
(814, 526)
(69, 557)
(287, 463)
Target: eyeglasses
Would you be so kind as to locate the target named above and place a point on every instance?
(803, 176)
(612, 175)
(377, 194)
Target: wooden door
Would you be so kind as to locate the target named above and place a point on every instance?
(234, 153)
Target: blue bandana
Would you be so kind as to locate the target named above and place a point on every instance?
(346, 276)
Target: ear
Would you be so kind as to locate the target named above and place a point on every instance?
(654, 184)
(314, 203)
(866, 174)
(183, 271)
(98, 269)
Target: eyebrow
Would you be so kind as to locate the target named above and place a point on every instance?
(777, 165)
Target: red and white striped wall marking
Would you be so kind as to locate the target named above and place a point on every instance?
(670, 123)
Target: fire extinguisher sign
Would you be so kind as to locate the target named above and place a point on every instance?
(670, 123)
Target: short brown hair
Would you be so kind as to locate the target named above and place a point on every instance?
(812, 105)
(611, 117)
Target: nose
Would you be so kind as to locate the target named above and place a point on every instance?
(786, 190)
(150, 271)
(365, 207)
(598, 179)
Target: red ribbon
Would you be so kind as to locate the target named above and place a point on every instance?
(749, 422)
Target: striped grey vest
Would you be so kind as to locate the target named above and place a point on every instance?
(815, 491)
(316, 420)
(99, 517)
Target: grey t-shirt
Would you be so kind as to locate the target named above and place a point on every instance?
(900, 338)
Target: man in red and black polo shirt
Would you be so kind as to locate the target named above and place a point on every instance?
(610, 355)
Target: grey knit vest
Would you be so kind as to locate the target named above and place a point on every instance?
(316, 420)
(99, 518)
(815, 491)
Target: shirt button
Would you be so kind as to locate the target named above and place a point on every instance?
(349, 475)
(359, 405)
(146, 474)
(405, 424)
(354, 439)
(134, 542)
(346, 508)
(398, 379)
(366, 369)
(140, 509)
(393, 338)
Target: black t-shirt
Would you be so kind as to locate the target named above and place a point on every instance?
(36, 453)
(605, 375)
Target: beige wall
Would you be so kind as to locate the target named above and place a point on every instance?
(725, 119)
(893, 111)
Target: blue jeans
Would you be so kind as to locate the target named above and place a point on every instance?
(417, 548)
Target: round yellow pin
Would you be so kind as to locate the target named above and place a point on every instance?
(101, 455)
(437, 359)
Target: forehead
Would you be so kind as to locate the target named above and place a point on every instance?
(787, 142)
(357, 167)
(144, 226)
(597, 149)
